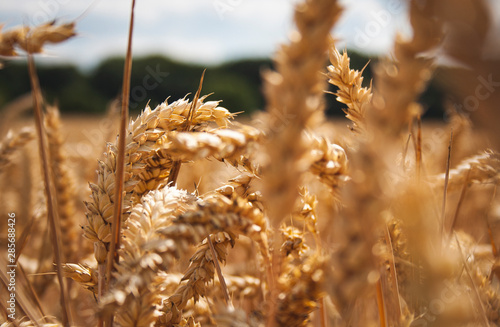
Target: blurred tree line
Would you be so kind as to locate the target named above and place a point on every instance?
(155, 78)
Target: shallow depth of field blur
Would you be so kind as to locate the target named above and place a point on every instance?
(340, 167)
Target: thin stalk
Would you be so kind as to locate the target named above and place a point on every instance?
(223, 285)
(460, 201)
(176, 165)
(21, 299)
(446, 179)
(494, 248)
(381, 304)
(394, 275)
(419, 147)
(24, 238)
(322, 312)
(276, 261)
(264, 250)
(33, 294)
(405, 150)
(52, 213)
(101, 273)
(120, 161)
(474, 286)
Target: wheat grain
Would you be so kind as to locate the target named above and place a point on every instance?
(293, 242)
(329, 162)
(85, 276)
(200, 272)
(300, 291)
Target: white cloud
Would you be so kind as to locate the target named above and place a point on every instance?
(194, 30)
(370, 26)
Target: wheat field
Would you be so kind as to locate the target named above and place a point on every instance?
(187, 215)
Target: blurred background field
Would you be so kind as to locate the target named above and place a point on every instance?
(369, 191)
(237, 83)
(178, 41)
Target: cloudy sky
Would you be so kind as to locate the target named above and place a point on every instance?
(203, 31)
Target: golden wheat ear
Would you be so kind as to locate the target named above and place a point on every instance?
(483, 168)
(33, 39)
(351, 91)
(133, 296)
(13, 142)
(11, 39)
(64, 184)
(294, 99)
(50, 32)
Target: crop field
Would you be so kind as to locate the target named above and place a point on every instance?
(190, 215)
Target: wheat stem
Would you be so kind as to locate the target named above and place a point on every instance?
(474, 286)
(381, 304)
(460, 201)
(418, 152)
(445, 189)
(120, 163)
(33, 294)
(49, 191)
(176, 165)
(229, 303)
(494, 248)
(393, 272)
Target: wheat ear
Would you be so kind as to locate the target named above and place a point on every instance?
(400, 82)
(482, 168)
(144, 170)
(12, 142)
(64, 185)
(223, 144)
(329, 162)
(133, 293)
(32, 40)
(295, 101)
(300, 291)
(351, 91)
(214, 214)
